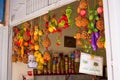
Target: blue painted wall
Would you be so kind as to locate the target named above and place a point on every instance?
(2, 10)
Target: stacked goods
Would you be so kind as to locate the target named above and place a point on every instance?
(46, 44)
(54, 25)
(54, 71)
(28, 39)
(96, 27)
(100, 26)
(70, 65)
(21, 43)
(90, 35)
(66, 64)
(45, 69)
(58, 65)
(62, 64)
(82, 22)
(49, 66)
(77, 60)
(26, 42)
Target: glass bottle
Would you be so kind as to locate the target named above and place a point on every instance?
(62, 63)
(66, 64)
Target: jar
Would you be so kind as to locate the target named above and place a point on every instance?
(62, 63)
(50, 66)
(58, 66)
(73, 65)
(70, 65)
(72, 55)
(45, 70)
(66, 64)
(54, 66)
(77, 60)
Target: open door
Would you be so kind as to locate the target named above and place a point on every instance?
(3, 52)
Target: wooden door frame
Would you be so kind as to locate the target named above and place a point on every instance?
(108, 44)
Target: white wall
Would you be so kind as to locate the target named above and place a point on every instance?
(3, 52)
(18, 70)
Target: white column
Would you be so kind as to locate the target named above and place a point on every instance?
(3, 52)
(112, 26)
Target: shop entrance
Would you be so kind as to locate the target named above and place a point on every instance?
(35, 30)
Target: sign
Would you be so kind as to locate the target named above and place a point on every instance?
(2, 9)
(90, 64)
(31, 62)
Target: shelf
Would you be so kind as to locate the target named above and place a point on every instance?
(59, 74)
(67, 75)
(103, 78)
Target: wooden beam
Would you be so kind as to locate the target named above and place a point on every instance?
(6, 12)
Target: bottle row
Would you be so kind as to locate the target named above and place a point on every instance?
(61, 64)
